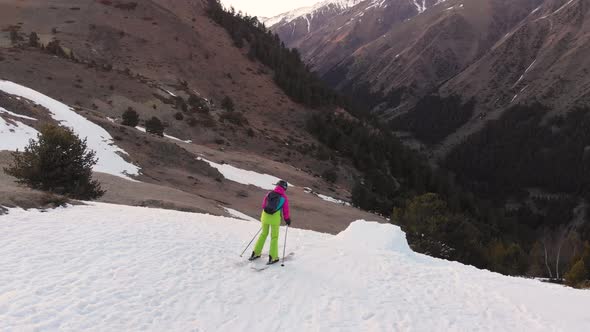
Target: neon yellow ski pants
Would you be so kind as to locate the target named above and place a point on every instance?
(272, 222)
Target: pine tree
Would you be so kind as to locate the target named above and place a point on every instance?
(33, 39)
(14, 36)
(228, 104)
(154, 126)
(58, 162)
(577, 274)
(130, 118)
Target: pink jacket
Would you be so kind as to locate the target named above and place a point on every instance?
(285, 207)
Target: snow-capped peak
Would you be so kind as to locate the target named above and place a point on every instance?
(310, 10)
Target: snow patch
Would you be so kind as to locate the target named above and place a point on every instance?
(99, 140)
(525, 72)
(5, 111)
(421, 7)
(531, 66)
(558, 10)
(326, 198)
(457, 6)
(245, 177)
(143, 130)
(188, 141)
(239, 215)
(168, 92)
(562, 7)
(333, 200)
(15, 135)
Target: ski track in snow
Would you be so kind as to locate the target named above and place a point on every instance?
(117, 268)
(99, 140)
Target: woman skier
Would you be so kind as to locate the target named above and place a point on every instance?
(275, 207)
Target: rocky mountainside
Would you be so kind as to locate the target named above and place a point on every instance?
(544, 58)
(331, 31)
(496, 52)
(409, 47)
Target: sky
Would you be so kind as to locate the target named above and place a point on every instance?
(267, 8)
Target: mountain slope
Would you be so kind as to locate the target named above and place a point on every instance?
(123, 268)
(406, 46)
(165, 59)
(328, 33)
(545, 58)
(497, 52)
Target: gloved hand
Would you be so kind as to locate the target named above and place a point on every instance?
(288, 221)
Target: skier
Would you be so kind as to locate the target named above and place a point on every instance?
(274, 208)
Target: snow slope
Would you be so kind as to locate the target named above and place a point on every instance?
(117, 268)
(99, 140)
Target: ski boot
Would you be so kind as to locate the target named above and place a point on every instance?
(272, 261)
(253, 256)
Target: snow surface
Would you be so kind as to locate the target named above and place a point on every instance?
(15, 135)
(243, 176)
(99, 140)
(117, 268)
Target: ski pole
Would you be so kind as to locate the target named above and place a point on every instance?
(248, 246)
(285, 246)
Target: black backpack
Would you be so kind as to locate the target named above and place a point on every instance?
(273, 203)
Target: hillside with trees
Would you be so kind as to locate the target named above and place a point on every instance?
(290, 72)
(441, 214)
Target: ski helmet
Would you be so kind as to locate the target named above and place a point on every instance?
(283, 184)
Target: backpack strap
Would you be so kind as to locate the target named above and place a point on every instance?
(281, 203)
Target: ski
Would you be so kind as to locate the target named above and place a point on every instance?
(259, 268)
